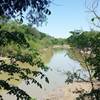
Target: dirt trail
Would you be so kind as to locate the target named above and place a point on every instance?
(67, 92)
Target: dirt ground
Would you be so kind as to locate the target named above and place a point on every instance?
(68, 92)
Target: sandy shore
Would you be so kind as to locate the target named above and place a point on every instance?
(68, 92)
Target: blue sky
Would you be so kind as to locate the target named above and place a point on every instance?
(67, 15)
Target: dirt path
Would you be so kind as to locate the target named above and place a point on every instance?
(67, 92)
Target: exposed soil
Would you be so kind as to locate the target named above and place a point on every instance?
(68, 92)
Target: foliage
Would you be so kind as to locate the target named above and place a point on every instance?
(15, 43)
(35, 38)
(36, 10)
(87, 43)
(15, 47)
(82, 39)
(94, 58)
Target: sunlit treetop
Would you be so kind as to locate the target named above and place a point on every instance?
(35, 11)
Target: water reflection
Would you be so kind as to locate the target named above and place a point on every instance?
(58, 63)
(46, 55)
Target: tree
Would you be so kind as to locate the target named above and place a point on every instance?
(35, 11)
(93, 8)
(22, 52)
(88, 42)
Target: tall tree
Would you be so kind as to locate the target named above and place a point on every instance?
(35, 11)
(87, 43)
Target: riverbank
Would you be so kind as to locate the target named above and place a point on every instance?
(68, 92)
(65, 46)
(47, 53)
(75, 54)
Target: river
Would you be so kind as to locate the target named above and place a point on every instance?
(59, 62)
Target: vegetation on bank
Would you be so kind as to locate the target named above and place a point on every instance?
(35, 39)
(87, 45)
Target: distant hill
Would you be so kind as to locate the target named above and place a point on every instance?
(35, 38)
